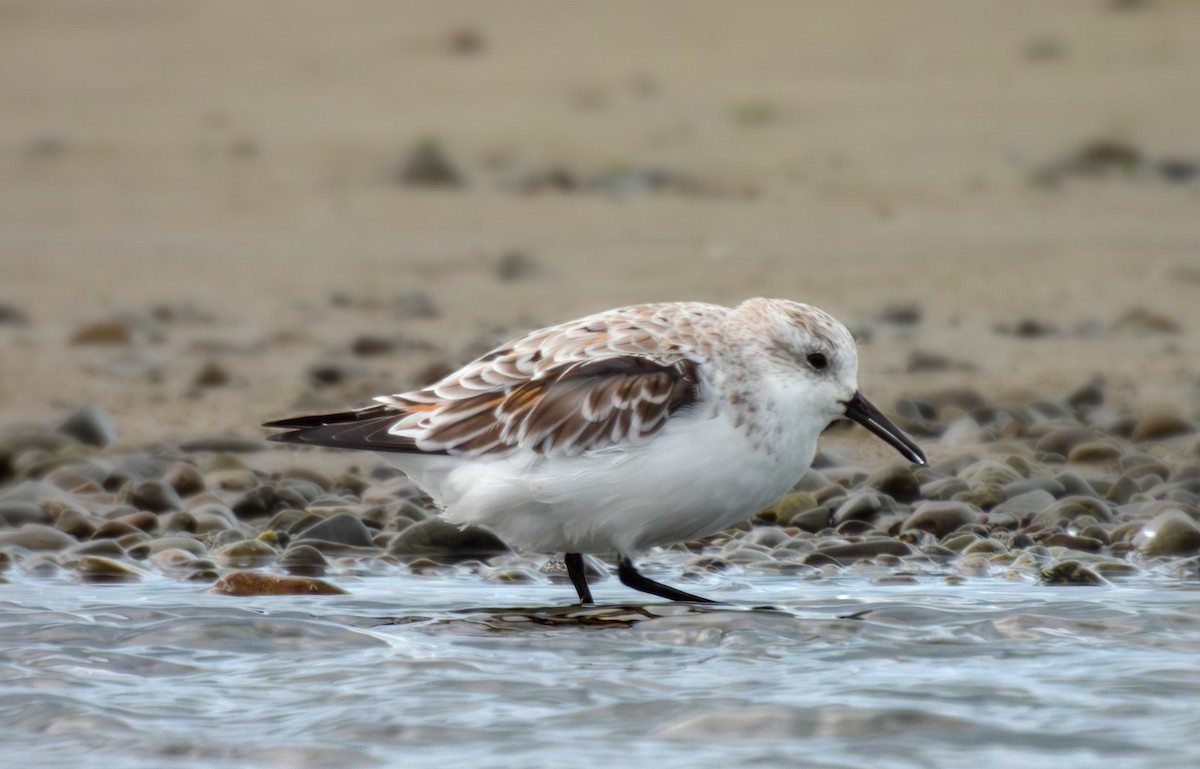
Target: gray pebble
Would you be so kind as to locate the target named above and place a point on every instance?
(34, 536)
(303, 560)
(1070, 509)
(1075, 484)
(16, 512)
(990, 471)
(861, 507)
(90, 425)
(342, 528)
(1023, 505)
(154, 496)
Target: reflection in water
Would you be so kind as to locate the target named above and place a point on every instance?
(406, 671)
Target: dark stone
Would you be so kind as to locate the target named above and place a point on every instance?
(941, 518)
(154, 496)
(435, 536)
(90, 425)
(303, 560)
(428, 165)
(342, 528)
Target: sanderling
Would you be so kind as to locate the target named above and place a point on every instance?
(632, 428)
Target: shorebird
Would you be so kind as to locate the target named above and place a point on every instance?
(624, 430)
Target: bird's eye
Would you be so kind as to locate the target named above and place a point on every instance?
(817, 360)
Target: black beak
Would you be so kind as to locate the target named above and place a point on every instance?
(862, 411)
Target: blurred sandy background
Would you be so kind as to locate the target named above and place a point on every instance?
(209, 215)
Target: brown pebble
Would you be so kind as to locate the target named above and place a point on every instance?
(941, 518)
(1094, 451)
(211, 374)
(1071, 573)
(257, 583)
(103, 332)
(1061, 440)
(1172, 532)
(1159, 423)
(185, 478)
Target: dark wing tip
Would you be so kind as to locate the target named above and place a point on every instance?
(366, 429)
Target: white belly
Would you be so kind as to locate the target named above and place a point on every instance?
(696, 477)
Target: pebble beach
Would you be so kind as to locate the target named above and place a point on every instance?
(262, 226)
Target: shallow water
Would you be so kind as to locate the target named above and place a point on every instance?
(410, 671)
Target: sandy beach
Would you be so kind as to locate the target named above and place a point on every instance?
(226, 178)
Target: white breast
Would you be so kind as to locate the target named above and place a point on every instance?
(696, 477)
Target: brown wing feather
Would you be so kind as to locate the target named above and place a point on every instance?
(580, 386)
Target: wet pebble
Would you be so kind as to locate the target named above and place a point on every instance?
(35, 536)
(16, 512)
(245, 554)
(341, 528)
(1172, 532)
(256, 583)
(1069, 509)
(303, 560)
(1071, 573)
(154, 496)
(848, 552)
(97, 568)
(941, 518)
(435, 536)
(898, 481)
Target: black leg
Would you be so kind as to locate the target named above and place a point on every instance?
(631, 578)
(575, 571)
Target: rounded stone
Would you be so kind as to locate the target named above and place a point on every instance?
(860, 507)
(1156, 424)
(16, 512)
(1171, 532)
(941, 518)
(97, 568)
(303, 560)
(848, 552)
(185, 478)
(813, 520)
(1071, 573)
(1070, 509)
(1061, 440)
(246, 554)
(1094, 451)
(341, 528)
(786, 506)
(90, 425)
(898, 481)
(257, 583)
(36, 536)
(435, 536)
(155, 497)
(991, 472)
